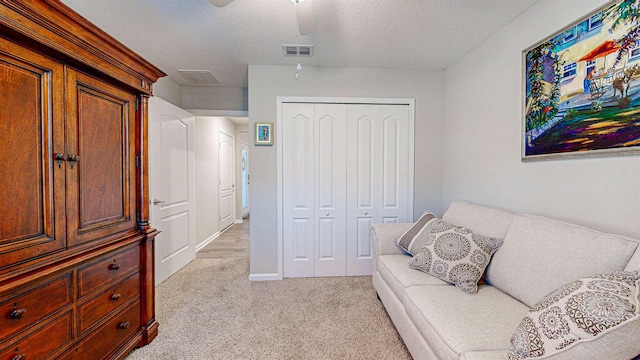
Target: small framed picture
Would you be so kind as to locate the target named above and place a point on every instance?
(264, 133)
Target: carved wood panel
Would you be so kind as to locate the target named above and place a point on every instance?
(28, 136)
(101, 183)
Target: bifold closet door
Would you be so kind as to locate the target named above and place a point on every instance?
(378, 186)
(314, 173)
(345, 167)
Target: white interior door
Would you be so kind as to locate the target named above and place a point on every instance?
(315, 172)
(344, 168)
(172, 186)
(379, 181)
(331, 189)
(298, 182)
(226, 188)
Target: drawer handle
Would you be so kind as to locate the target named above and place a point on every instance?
(124, 325)
(115, 296)
(18, 313)
(20, 357)
(114, 267)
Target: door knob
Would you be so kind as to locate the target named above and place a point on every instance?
(366, 212)
(326, 214)
(156, 202)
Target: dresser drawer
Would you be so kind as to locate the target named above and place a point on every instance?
(33, 304)
(109, 337)
(42, 343)
(106, 301)
(107, 269)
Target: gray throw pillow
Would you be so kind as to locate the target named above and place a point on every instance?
(455, 254)
(413, 239)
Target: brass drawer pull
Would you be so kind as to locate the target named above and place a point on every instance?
(20, 357)
(124, 325)
(114, 267)
(115, 296)
(18, 313)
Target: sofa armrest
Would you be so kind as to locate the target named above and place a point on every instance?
(383, 238)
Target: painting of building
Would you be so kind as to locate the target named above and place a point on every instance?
(582, 87)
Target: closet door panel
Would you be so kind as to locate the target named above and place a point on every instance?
(331, 190)
(361, 186)
(101, 177)
(379, 187)
(299, 194)
(394, 187)
(31, 132)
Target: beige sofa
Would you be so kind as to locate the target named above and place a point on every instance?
(438, 321)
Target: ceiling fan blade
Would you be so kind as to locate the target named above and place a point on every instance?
(220, 3)
(304, 15)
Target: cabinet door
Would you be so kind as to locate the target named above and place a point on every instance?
(101, 178)
(31, 131)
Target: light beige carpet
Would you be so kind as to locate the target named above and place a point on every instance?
(209, 310)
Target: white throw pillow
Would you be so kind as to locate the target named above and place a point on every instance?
(595, 317)
(455, 254)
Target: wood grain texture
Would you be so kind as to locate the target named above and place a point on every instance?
(233, 243)
(30, 90)
(75, 230)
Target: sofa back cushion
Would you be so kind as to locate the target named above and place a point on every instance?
(634, 263)
(480, 219)
(541, 254)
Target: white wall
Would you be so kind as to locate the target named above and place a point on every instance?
(268, 82)
(207, 174)
(201, 97)
(482, 129)
(168, 90)
(214, 97)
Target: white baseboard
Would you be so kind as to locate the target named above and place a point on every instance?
(207, 241)
(264, 277)
(239, 221)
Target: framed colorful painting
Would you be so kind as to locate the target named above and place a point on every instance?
(264, 134)
(582, 87)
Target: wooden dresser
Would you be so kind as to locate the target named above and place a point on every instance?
(76, 247)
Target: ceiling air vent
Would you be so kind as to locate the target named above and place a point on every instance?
(297, 50)
(199, 77)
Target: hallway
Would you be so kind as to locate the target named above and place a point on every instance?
(232, 243)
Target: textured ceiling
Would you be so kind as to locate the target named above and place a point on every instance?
(192, 34)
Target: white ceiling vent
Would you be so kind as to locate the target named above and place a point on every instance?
(297, 50)
(199, 77)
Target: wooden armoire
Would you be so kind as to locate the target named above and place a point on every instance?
(76, 246)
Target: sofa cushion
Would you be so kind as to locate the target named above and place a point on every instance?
(453, 323)
(595, 317)
(394, 271)
(417, 235)
(541, 254)
(485, 355)
(482, 220)
(456, 255)
(634, 263)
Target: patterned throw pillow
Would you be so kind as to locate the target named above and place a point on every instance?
(455, 254)
(575, 319)
(414, 238)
